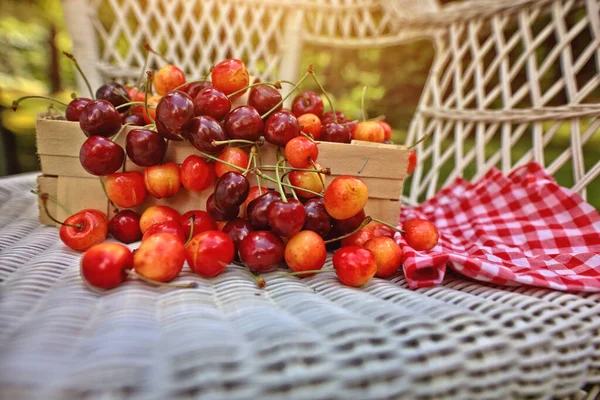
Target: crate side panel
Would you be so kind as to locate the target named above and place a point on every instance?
(78, 194)
(47, 184)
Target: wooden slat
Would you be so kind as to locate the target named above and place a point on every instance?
(47, 184)
(385, 210)
(78, 194)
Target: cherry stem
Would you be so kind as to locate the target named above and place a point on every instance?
(106, 194)
(326, 171)
(314, 76)
(189, 83)
(211, 157)
(256, 164)
(364, 223)
(309, 137)
(205, 79)
(116, 135)
(258, 172)
(320, 176)
(310, 271)
(300, 92)
(276, 85)
(362, 103)
(265, 115)
(293, 191)
(87, 83)
(250, 160)
(192, 219)
(151, 50)
(16, 103)
(133, 103)
(150, 75)
(260, 281)
(425, 137)
(188, 285)
(149, 126)
(44, 197)
(140, 80)
(388, 225)
(234, 141)
(279, 182)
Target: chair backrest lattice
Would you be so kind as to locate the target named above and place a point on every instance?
(512, 82)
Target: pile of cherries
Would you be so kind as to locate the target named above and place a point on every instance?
(246, 224)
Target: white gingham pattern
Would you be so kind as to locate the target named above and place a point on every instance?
(520, 229)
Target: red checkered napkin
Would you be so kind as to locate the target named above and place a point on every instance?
(520, 229)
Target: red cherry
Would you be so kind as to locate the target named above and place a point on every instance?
(145, 147)
(317, 219)
(261, 251)
(354, 265)
(104, 265)
(134, 120)
(328, 117)
(264, 98)
(211, 102)
(379, 229)
(308, 102)
(237, 229)
(335, 132)
(100, 118)
(387, 253)
(202, 222)
(358, 238)
(420, 234)
(125, 189)
(75, 107)
(257, 209)
(157, 214)
(202, 131)
(162, 180)
(125, 226)
(280, 128)
(229, 76)
(305, 251)
(152, 101)
(160, 257)
(101, 156)
(84, 229)
(173, 112)
(232, 155)
(344, 226)
(193, 88)
(253, 193)
(168, 78)
(311, 125)
(300, 151)
(231, 190)
(218, 214)
(244, 122)
(286, 218)
(412, 161)
(170, 227)
(115, 94)
(387, 130)
(196, 174)
(208, 253)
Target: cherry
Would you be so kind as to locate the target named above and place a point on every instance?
(358, 238)
(202, 222)
(100, 156)
(170, 227)
(257, 209)
(168, 78)
(305, 251)
(173, 112)
(308, 102)
(125, 189)
(261, 251)
(253, 193)
(134, 120)
(317, 219)
(379, 229)
(420, 234)
(101, 118)
(412, 161)
(368, 131)
(237, 229)
(157, 214)
(328, 117)
(335, 132)
(115, 94)
(286, 218)
(160, 257)
(312, 181)
(103, 265)
(311, 125)
(354, 265)
(84, 229)
(193, 88)
(231, 190)
(300, 151)
(264, 98)
(229, 76)
(202, 131)
(196, 174)
(220, 215)
(244, 122)
(344, 226)
(232, 155)
(208, 253)
(125, 226)
(162, 180)
(211, 102)
(345, 197)
(387, 130)
(145, 147)
(75, 107)
(150, 116)
(387, 253)
(280, 128)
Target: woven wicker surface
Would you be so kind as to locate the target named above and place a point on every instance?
(295, 339)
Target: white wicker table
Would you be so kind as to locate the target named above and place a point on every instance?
(295, 339)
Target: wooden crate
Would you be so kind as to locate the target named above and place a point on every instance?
(382, 167)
